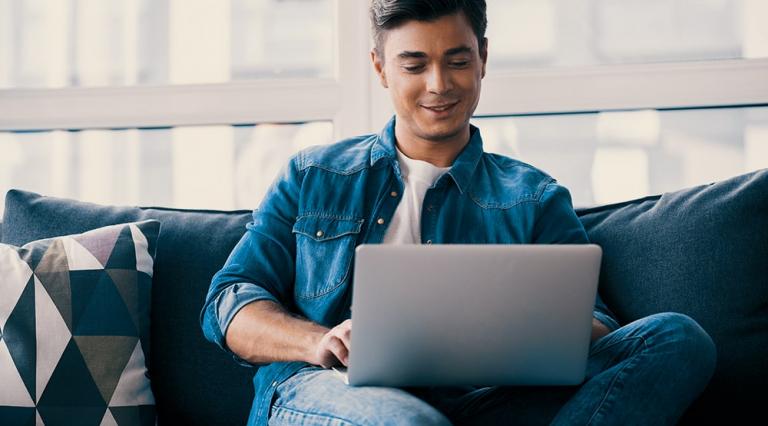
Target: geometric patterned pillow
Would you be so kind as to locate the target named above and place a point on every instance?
(74, 328)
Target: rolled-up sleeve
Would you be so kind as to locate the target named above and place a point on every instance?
(556, 223)
(261, 266)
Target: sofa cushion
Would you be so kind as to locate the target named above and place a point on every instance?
(74, 327)
(701, 251)
(194, 382)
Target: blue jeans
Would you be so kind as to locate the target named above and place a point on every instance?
(646, 372)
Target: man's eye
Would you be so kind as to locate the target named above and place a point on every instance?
(459, 64)
(413, 68)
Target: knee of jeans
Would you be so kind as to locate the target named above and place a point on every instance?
(688, 339)
(416, 415)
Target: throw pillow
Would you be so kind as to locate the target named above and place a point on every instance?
(193, 381)
(74, 328)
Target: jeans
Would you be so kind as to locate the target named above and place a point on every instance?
(646, 372)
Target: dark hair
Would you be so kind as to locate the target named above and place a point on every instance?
(389, 14)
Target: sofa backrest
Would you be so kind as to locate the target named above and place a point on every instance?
(701, 251)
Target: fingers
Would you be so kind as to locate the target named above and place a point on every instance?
(337, 342)
(344, 331)
(334, 346)
(339, 350)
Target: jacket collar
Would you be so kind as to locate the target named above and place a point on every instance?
(463, 166)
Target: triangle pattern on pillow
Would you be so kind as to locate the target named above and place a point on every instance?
(54, 259)
(109, 420)
(133, 388)
(73, 332)
(106, 366)
(34, 257)
(105, 313)
(13, 392)
(59, 290)
(52, 335)
(127, 284)
(134, 415)
(20, 342)
(124, 253)
(18, 415)
(101, 245)
(78, 257)
(143, 259)
(64, 415)
(71, 384)
(16, 274)
(82, 284)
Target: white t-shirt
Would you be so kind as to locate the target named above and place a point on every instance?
(418, 176)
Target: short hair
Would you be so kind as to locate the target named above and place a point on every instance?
(389, 14)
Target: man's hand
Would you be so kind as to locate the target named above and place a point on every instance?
(333, 347)
(598, 330)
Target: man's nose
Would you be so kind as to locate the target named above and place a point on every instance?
(438, 80)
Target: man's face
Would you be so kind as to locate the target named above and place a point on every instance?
(433, 71)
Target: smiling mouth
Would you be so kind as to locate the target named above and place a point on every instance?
(440, 107)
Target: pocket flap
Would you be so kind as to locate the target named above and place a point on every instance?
(325, 228)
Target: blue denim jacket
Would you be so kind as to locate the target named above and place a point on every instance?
(298, 250)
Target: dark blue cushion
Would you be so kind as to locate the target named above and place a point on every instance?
(194, 382)
(701, 251)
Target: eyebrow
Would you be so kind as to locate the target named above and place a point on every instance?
(457, 50)
(407, 54)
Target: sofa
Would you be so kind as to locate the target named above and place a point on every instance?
(701, 251)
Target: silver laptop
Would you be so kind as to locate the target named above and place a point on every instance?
(431, 315)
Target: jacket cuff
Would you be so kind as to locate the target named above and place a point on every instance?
(228, 303)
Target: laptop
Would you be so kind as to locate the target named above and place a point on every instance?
(451, 315)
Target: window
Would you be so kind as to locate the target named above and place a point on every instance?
(86, 43)
(204, 99)
(571, 33)
(575, 87)
(161, 167)
(614, 156)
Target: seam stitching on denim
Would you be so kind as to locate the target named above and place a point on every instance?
(336, 285)
(502, 206)
(613, 382)
(309, 414)
(329, 169)
(617, 342)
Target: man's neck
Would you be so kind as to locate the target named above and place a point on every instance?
(440, 153)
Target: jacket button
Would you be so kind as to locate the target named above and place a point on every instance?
(393, 193)
(380, 221)
(319, 234)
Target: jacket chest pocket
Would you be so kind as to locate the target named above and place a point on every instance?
(324, 251)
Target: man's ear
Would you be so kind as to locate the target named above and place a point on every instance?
(484, 54)
(378, 66)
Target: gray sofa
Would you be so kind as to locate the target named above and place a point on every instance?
(701, 251)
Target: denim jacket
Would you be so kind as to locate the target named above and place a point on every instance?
(298, 250)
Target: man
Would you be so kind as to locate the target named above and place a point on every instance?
(282, 301)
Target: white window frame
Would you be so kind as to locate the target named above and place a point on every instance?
(623, 87)
(341, 99)
(355, 102)
(676, 85)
